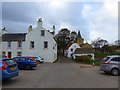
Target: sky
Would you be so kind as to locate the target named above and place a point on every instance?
(93, 19)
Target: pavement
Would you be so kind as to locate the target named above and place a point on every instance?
(62, 75)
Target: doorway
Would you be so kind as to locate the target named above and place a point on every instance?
(9, 54)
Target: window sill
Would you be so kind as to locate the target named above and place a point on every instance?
(32, 48)
(19, 48)
(9, 48)
(45, 48)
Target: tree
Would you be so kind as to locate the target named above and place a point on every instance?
(63, 39)
(98, 43)
(103, 42)
(117, 42)
(73, 36)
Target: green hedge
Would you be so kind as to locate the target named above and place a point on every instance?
(87, 60)
(103, 54)
(83, 59)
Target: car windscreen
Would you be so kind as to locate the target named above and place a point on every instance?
(106, 59)
(10, 62)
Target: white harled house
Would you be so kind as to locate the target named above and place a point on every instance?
(40, 41)
(37, 42)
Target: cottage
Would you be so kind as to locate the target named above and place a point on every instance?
(72, 49)
(11, 44)
(84, 52)
(80, 48)
(37, 42)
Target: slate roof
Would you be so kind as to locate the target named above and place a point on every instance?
(13, 37)
(84, 51)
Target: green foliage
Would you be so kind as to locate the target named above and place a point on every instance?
(64, 38)
(87, 60)
(83, 59)
(104, 54)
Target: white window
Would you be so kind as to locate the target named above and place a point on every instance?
(45, 44)
(71, 49)
(3, 54)
(19, 53)
(31, 44)
(42, 32)
(19, 44)
(9, 44)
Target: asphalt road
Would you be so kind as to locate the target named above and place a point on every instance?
(62, 75)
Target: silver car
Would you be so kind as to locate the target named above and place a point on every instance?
(111, 64)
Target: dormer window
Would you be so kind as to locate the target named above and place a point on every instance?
(9, 44)
(19, 44)
(42, 32)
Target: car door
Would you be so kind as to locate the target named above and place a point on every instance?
(16, 59)
(119, 63)
(21, 62)
(115, 62)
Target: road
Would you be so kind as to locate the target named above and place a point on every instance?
(62, 75)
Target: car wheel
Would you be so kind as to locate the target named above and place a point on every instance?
(115, 72)
(28, 67)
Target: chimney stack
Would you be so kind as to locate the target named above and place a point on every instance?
(30, 28)
(40, 22)
(53, 29)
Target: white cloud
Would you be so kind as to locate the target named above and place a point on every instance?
(102, 22)
(65, 25)
(87, 9)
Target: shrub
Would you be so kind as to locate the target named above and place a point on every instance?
(83, 59)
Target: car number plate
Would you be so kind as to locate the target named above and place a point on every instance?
(12, 68)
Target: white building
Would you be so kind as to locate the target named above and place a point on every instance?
(37, 42)
(84, 52)
(72, 49)
(80, 48)
(40, 42)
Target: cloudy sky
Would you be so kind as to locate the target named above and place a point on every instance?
(93, 19)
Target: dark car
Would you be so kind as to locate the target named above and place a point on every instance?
(8, 68)
(25, 62)
(111, 64)
(37, 59)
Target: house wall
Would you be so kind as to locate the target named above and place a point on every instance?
(49, 54)
(74, 46)
(14, 48)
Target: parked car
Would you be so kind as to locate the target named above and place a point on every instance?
(33, 58)
(39, 59)
(25, 62)
(8, 68)
(111, 64)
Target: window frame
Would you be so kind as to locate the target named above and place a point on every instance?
(42, 32)
(71, 49)
(3, 53)
(46, 44)
(19, 44)
(9, 44)
(32, 44)
(19, 53)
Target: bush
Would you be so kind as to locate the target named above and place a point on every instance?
(83, 59)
